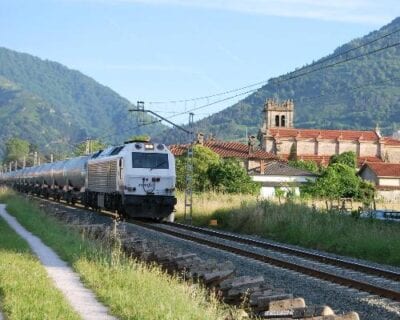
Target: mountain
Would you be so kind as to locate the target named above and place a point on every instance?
(356, 94)
(54, 107)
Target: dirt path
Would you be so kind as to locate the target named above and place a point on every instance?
(81, 299)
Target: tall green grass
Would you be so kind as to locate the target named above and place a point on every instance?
(25, 290)
(299, 224)
(131, 289)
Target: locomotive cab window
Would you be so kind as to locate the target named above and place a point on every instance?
(150, 160)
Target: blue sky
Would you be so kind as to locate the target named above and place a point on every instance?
(156, 50)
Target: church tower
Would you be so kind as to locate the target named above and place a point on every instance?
(278, 115)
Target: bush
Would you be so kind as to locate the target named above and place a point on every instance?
(211, 173)
(229, 176)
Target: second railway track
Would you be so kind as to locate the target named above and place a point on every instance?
(196, 234)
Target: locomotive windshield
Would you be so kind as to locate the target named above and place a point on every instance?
(150, 160)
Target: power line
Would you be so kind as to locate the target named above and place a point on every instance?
(278, 82)
(209, 96)
(345, 52)
(331, 57)
(339, 62)
(293, 77)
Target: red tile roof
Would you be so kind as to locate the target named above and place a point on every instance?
(228, 150)
(362, 160)
(384, 169)
(324, 160)
(320, 160)
(324, 134)
(391, 141)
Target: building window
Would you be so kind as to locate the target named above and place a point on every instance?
(276, 121)
(283, 121)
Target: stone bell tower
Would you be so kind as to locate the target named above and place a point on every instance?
(278, 115)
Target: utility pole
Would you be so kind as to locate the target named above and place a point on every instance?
(87, 146)
(189, 174)
(24, 162)
(189, 164)
(35, 158)
(51, 158)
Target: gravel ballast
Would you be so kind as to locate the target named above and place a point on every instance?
(314, 291)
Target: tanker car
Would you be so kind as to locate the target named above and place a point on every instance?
(136, 180)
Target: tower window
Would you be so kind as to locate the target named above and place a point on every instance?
(276, 121)
(283, 120)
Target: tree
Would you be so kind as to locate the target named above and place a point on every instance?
(339, 180)
(16, 149)
(305, 165)
(348, 158)
(229, 176)
(203, 158)
(142, 137)
(89, 146)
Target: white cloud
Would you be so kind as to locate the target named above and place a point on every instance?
(355, 11)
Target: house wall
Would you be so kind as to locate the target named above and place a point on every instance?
(251, 164)
(306, 147)
(369, 149)
(369, 175)
(269, 145)
(327, 148)
(345, 146)
(269, 192)
(393, 154)
(390, 182)
(388, 196)
(286, 146)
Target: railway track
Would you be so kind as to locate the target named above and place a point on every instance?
(197, 235)
(235, 243)
(292, 251)
(255, 296)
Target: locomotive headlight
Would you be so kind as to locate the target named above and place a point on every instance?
(160, 147)
(149, 146)
(138, 146)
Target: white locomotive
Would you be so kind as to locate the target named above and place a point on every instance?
(136, 179)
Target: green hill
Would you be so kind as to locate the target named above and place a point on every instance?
(357, 94)
(54, 107)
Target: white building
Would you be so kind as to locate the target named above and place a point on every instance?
(385, 177)
(280, 175)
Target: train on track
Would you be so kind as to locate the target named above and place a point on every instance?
(136, 179)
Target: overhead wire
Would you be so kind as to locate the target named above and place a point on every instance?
(320, 61)
(293, 77)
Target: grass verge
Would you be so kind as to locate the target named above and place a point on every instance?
(299, 224)
(25, 290)
(131, 289)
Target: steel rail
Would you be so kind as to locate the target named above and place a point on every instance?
(298, 252)
(359, 285)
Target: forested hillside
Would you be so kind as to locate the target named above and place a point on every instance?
(54, 107)
(356, 94)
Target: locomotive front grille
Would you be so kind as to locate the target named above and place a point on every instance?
(102, 176)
